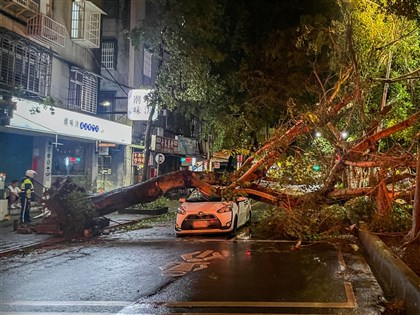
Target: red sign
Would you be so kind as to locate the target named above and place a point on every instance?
(138, 158)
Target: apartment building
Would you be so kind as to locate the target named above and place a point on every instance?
(124, 68)
(50, 74)
(67, 68)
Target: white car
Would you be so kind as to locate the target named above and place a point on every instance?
(203, 214)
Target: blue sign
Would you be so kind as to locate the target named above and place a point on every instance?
(89, 127)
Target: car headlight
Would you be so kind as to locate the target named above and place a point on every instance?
(180, 210)
(225, 209)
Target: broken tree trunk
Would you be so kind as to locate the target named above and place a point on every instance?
(414, 234)
(72, 210)
(150, 190)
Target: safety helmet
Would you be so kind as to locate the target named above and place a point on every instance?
(30, 173)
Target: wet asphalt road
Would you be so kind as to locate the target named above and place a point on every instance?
(151, 271)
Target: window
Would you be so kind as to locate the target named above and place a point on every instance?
(108, 54)
(83, 91)
(147, 63)
(86, 23)
(24, 66)
(69, 159)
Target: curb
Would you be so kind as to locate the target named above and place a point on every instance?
(19, 249)
(56, 239)
(403, 281)
(157, 211)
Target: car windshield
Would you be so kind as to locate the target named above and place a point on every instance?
(198, 196)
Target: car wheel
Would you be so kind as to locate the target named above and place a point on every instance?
(249, 218)
(235, 227)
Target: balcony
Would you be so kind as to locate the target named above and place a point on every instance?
(46, 30)
(21, 9)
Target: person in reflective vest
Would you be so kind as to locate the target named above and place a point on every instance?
(26, 196)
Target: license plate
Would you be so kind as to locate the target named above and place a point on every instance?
(200, 224)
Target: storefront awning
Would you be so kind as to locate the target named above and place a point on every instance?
(68, 123)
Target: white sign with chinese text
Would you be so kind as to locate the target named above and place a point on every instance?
(68, 123)
(137, 106)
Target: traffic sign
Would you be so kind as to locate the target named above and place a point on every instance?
(160, 158)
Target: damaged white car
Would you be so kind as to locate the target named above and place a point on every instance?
(203, 214)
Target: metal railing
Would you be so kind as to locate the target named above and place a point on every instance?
(20, 8)
(30, 4)
(46, 29)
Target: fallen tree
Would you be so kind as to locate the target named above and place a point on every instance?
(336, 76)
(245, 181)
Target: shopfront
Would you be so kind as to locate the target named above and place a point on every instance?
(65, 143)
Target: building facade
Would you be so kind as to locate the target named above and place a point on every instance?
(50, 59)
(67, 69)
(125, 68)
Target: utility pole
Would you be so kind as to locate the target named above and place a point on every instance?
(148, 135)
(147, 143)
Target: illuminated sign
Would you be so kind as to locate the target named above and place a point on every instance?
(68, 123)
(138, 158)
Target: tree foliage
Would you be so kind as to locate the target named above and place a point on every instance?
(346, 69)
(312, 66)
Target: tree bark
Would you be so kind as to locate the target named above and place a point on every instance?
(383, 202)
(414, 234)
(150, 190)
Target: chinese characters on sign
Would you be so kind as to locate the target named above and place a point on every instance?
(74, 123)
(164, 145)
(137, 107)
(187, 146)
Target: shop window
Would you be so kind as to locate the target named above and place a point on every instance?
(104, 164)
(83, 91)
(24, 66)
(69, 159)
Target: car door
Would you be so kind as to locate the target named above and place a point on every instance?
(243, 210)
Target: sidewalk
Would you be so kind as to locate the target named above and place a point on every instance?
(12, 242)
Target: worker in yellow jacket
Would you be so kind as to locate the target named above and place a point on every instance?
(26, 196)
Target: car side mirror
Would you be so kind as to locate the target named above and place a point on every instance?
(182, 200)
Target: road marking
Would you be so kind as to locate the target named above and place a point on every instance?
(341, 260)
(258, 304)
(67, 303)
(351, 298)
(84, 313)
(192, 262)
(350, 303)
(56, 313)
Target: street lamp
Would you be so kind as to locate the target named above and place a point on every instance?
(344, 134)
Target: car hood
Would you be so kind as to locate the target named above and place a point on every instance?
(206, 207)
